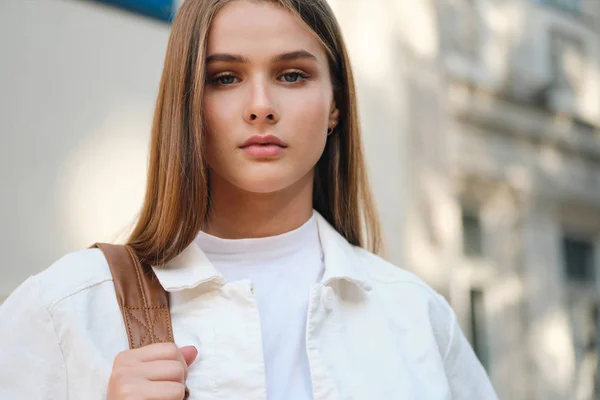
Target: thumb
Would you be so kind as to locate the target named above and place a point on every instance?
(189, 354)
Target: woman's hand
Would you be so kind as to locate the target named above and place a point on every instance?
(157, 371)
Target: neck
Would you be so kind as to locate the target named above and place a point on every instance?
(239, 214)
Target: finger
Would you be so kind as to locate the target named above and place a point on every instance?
(189, 354)
(163, 391)
(164, 371)
(158, 351)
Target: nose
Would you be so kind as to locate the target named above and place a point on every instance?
(260, 108)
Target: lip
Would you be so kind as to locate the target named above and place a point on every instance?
(263, 150)
(264, 146)
(266, 140)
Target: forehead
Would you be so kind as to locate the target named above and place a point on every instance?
(257, 28)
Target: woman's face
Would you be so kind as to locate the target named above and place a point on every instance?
(268, 99)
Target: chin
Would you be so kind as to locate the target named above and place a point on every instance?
(265, 185)
(266, 180)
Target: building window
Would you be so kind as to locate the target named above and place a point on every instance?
(471, 234)
(594, 351)
(567, 5)
(478, 327)
(160, 9)
(587, 353)
(567, 60)
(579, 260)
(464, 25)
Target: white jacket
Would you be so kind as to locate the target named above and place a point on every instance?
(374, 332)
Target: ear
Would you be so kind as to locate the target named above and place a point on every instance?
(334, 114)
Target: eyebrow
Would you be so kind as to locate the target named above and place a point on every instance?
(289, 56)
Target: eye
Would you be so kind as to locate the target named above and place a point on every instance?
(223, 80)
(294, 76)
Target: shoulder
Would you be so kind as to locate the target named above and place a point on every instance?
(69, 275)
(384, 274)
(408, 301)
(427, 320)
(403, 292)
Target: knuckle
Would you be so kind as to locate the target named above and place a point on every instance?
(179, 370)
(127, 392)
(121, 379)
(171, 351)
(121, 392)
(121, 358)
(119, 375)
(174, 370)
(178, 392)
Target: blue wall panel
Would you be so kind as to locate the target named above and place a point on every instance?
(161, 9)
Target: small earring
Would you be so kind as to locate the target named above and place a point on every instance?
(331, 128)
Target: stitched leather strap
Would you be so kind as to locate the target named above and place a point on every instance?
(143, 301)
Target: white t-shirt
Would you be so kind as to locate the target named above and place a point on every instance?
(282, 270)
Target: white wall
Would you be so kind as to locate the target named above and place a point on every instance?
(78, 83)
(376, 43)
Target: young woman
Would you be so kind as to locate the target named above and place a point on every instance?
(259, 223)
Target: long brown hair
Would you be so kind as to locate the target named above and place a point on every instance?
(176, 204)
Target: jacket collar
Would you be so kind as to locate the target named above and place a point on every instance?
(191, 268)
(341, 261)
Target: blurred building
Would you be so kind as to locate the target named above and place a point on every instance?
(481, 125)
(518, 156)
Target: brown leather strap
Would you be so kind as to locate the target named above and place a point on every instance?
(144, 303)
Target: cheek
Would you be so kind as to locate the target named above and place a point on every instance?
(215, 113)
(310, 121)
(213, 145)
(218, 126)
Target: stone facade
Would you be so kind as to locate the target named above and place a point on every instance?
(505, 201)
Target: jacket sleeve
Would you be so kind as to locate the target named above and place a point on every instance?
(31, 361)
(466, 376)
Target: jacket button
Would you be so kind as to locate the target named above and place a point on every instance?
(328, 299)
